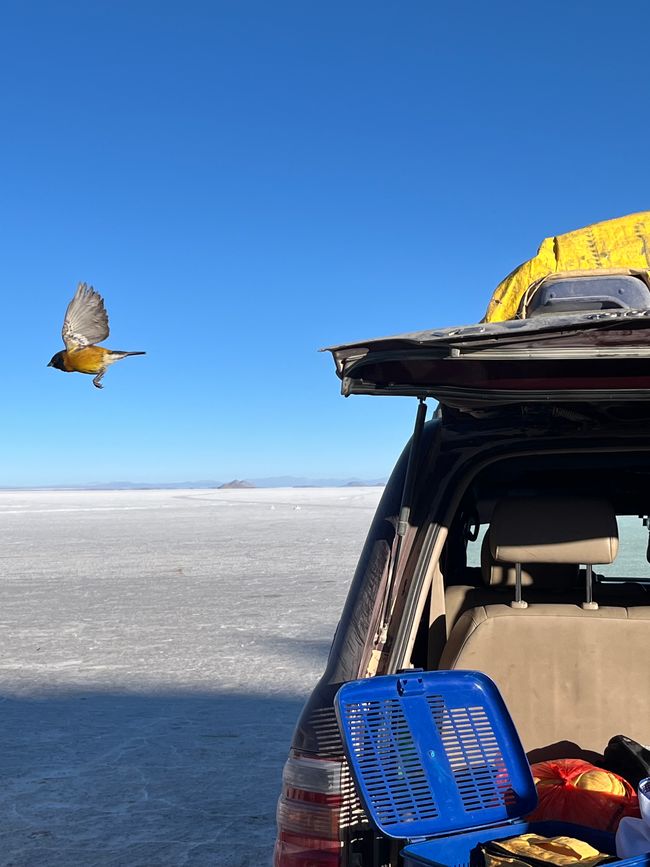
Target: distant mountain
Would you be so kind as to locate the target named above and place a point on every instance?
(268, 482)
(144, 486)
(303, 482)
(116, 486)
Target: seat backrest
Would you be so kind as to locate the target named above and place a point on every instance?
(572, 678)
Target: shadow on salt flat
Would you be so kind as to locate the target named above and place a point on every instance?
(146, 780)
(316, 650)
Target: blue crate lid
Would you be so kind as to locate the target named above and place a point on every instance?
(434, 752)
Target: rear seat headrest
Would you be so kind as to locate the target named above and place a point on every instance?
(577, 530)
(542, 576)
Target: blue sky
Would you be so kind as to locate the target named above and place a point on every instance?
(246, 182)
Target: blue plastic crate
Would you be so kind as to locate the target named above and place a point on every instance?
(461, 850)
(437, 761)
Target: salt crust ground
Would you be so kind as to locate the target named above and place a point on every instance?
(157, 647)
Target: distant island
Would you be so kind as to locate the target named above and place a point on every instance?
(236, 483)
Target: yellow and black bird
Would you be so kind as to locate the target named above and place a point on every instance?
(85, 325)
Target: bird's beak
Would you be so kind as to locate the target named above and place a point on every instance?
(49, 364)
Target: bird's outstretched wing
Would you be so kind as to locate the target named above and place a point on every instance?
(86, 320)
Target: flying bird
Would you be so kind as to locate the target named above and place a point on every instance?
(85, 325)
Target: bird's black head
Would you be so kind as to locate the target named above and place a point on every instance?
(57, 361)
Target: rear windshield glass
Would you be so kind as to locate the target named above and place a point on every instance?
(631, 561)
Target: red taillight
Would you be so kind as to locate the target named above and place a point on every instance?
(293, 851)
(309, 813)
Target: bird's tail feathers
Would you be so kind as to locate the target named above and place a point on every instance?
(122, 354)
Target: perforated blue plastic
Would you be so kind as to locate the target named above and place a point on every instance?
(434, 752)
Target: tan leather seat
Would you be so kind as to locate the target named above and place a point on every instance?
(572, 678)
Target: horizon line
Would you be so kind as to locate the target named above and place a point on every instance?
(210, 484)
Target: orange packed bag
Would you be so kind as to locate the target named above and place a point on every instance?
(570, 790)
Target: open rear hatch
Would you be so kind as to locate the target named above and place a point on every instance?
(573, 357)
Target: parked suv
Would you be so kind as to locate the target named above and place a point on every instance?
(496, 547)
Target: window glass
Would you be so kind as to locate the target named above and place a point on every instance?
(631, 561)
(474, 548)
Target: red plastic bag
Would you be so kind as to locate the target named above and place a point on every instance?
(570, 790)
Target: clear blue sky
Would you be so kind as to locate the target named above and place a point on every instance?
(246, 182)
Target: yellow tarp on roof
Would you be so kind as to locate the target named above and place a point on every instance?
(620, 243)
